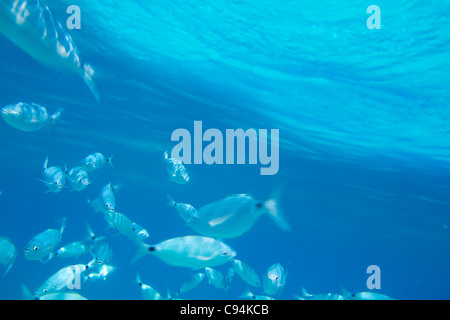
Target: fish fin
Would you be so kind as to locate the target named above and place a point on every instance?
(8, 268)
(63, 223)
(44, 166)
(47, 259)
(142, 250)
(109, 161)
(27, 295)
(55, 117)
(170, 202)
(87, 75)
(276, 214)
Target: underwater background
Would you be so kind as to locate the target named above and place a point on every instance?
(364, 139)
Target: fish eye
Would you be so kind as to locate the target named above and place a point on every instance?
(259, 205)
(35, 248)
(45, 290)
(224, 253)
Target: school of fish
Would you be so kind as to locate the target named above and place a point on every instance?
(31, 26)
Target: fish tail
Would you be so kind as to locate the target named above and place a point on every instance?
(274, 211)
(91, 234)
(109, 161)
(143, 249)
(55, 117)
(277, 216)
(44, 166)
(87, 75)
(170, 202)
(63, 225)
(8, 268)
(27, 295)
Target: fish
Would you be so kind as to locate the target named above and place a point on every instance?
(230, 276)
(77, 248)
(186, 211)
(78, 178)
(96, 161)
(125, 226)
(41, 246)
(195, 252)
(53, 177)
(29, 117)
(215, 278)
(63, 279)
(321, 296)
(190, 283)
(235, 215)
(106, 202)
(101, 252)
(148, 293)
(51, 296)
(8, 254)
(176, 170)
(246, 273)
(100, 272)
(274, 279)
(249, 295)
(31, 26)
(364, 295)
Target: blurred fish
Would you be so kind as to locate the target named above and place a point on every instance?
(194, 252)
(31, 26)
(321, 296)
(246, 273)
(190, 283)
(249, 295)
(187, 212)
(52, 296)
(230, 276)
(78, 178)
(234, 216)
(29, 117)
(100, 272)
(176, 170)
(53, 177)
(148, 292)
(62, 279)
(215, 278)
(125, 226)
(106, 202)
(96, 161)
(41, 246)
(102, 253)
(8, 254)
(364, 295)
(274, 279)
(77, 248)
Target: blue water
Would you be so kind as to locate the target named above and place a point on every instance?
(364, 139)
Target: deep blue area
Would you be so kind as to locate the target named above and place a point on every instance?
(364, 151)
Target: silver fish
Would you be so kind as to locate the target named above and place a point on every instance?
(190, 283)
(364, 295)
(246, 273)
(78, 178)
(96, 161)
(187, 212)
(77, 248)
(52, 296)
(29, 117)
(8, 254)
(125, 226)
(106, 202)
(53, 177)
(100, 272)
(102, 252)
(176, 170)
(148, 292)
(321, 296)
(41, 246)
(249, 295)
(62, 279)
(31, 26)
(274, 279)
(215, 278)
(194, 252)
(234, 216)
